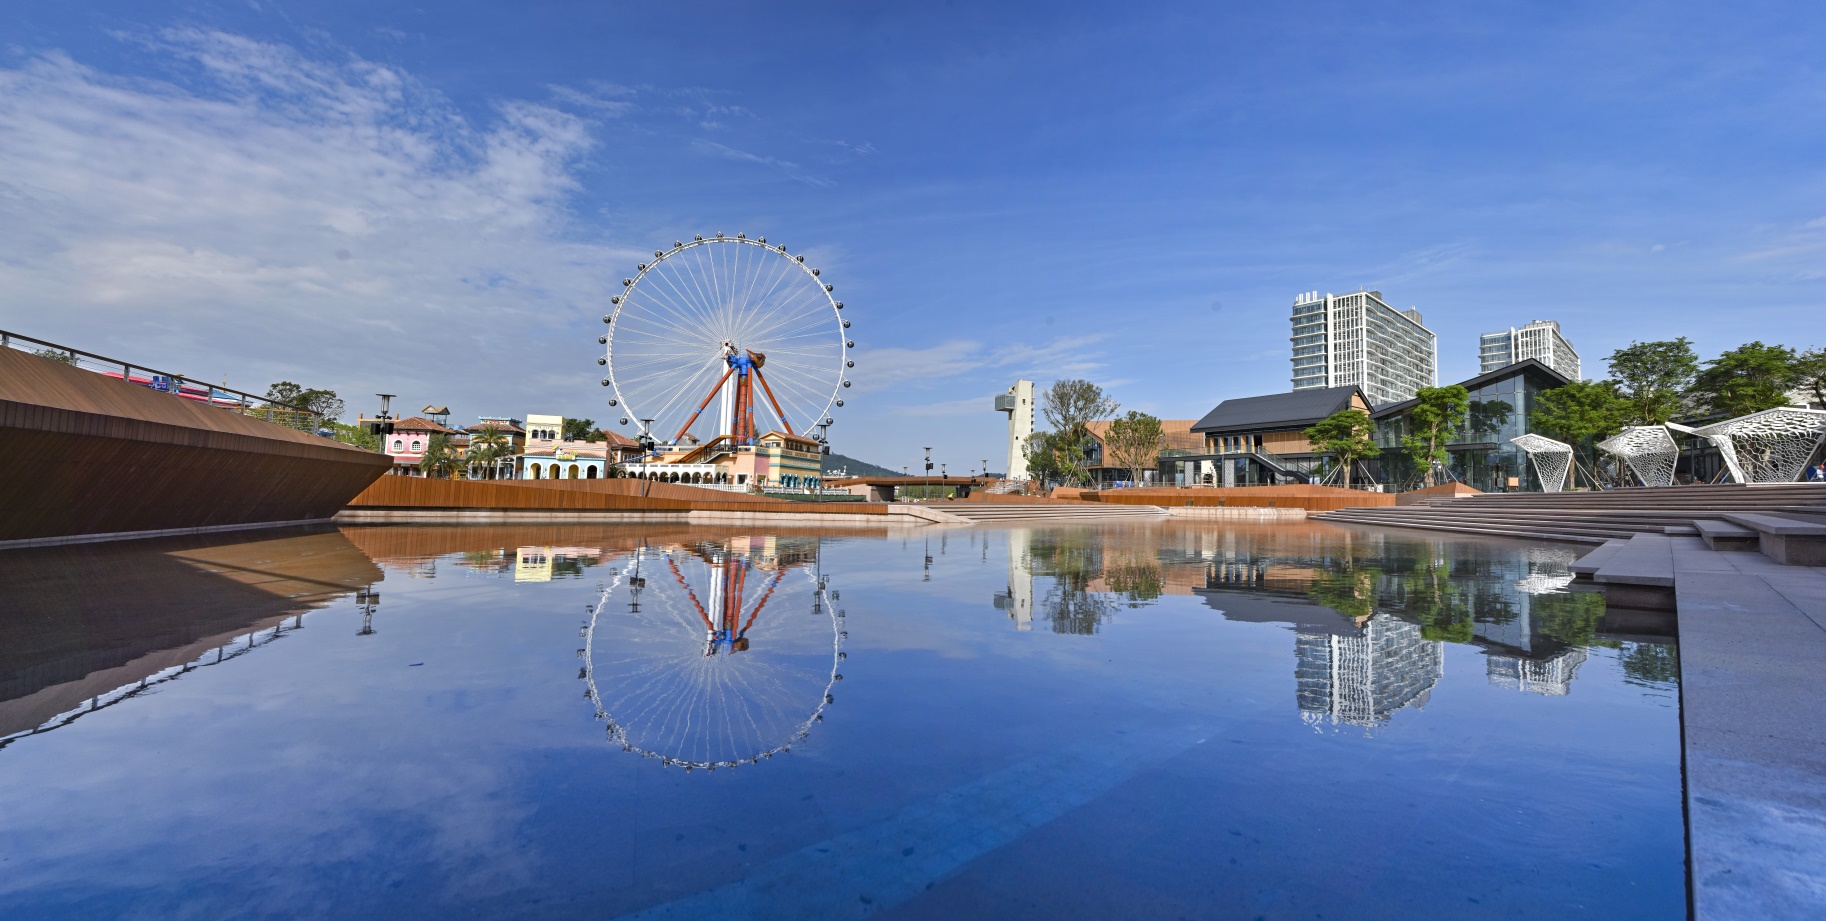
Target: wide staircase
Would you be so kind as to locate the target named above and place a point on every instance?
(1596, 517)
(1031, 512)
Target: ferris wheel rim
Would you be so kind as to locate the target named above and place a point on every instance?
(620, 303)
(617, 733)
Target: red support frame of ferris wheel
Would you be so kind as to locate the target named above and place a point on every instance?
(742, 426)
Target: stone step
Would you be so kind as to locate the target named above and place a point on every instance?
(1588, 565)
(1790, 541)
(1492, 524)
(1539, 534)
(1723, 535)
(1557, 523)
(1648, 559)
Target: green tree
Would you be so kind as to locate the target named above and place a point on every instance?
(1428, 595)
(1810, 374)
(1071, 402)
(1072, 558)
(1570, 617)
(439, 457)
(1437, 415)
(578, 429)
(1044, 464)
(1653, 664)
(1750, 378)
(487, 445)
(1653, 375)
(356, 435)
(1134, 441)
(62, 358)
(1347, 435)
(1581, 413)
(325, 403)
(1349, 589)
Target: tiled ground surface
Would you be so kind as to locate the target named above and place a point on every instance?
(1753, 673)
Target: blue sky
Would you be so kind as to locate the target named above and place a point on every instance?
(436, 201)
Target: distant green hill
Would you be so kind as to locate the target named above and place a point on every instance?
(853, 467)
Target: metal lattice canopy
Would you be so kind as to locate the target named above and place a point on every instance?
(1648, 450)
(1772, 446)
(1552, 459)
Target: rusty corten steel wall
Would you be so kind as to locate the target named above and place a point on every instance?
(1310, 498)
(406, 493)
(394, 544)
(84, 454)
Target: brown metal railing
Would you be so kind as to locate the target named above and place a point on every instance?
(220, 396)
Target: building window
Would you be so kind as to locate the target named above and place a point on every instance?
(398, 446)
(416, 446)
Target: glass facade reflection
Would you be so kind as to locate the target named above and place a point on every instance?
(1502, 404)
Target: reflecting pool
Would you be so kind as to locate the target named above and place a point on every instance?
(1127, 720)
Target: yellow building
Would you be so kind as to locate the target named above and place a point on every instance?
(777, 460)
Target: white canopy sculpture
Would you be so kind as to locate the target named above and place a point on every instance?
(1552, 459)
(1772, 446)
(1647, 450)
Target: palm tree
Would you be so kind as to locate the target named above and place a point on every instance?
(487, 445)
(439, 457)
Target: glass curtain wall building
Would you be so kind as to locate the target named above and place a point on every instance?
(1358, 340)
(1480, 454)
(1540, 340)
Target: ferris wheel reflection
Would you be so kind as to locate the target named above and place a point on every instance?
(714, 654)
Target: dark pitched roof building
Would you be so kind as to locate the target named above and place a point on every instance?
(1537, 373)
(1279, 411)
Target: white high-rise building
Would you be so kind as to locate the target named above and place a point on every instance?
(1540, 339)
(1018, 404)
(1345, 339)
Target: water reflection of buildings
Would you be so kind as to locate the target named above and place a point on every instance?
(1371, 615)
(1551, 676)
(1017, 601)
(538, 564)
(1363, 679)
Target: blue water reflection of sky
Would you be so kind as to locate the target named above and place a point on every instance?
(973, 762)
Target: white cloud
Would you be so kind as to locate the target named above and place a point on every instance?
(1817, 223)
(788, 167)
(303, 218)
(901, 368)
(608, 99)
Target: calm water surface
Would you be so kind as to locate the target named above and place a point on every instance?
(1154, 721)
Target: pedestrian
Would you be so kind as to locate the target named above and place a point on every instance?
(1817, 474)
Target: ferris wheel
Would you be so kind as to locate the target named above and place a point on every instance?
(731, 321)
(714, 657)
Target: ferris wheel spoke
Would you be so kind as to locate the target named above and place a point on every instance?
(770, 326)
(810, 404)
(703, 279)
(783, 270)
(636, 338)
(663, 315)
(678, 290)
(688, 309)
(665, 350)
(782, 303)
